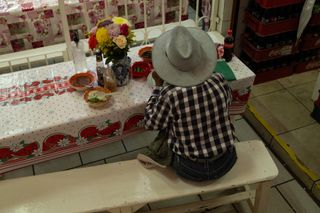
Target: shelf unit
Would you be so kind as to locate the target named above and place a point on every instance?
(269, 44)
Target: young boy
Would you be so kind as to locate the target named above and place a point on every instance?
(192, 108)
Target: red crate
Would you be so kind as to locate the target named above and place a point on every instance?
(273, 28)
(271, 75)
(267, 54)
(309, 42)
(277, 3)
(315, 19)
(305, 66)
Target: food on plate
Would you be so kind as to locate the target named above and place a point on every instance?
(97, 97)
(82, 81)
(146, 53)
(141, 69)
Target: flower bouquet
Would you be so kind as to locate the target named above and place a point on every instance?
(113, 37)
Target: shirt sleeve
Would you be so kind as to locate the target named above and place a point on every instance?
(158, 110)
(227, 89)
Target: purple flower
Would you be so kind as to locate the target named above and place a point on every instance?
(105, 23)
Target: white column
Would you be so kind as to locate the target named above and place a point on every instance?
(65, 28)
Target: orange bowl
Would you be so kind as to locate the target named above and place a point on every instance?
(146, 53)
(82, 81)
(100, 104)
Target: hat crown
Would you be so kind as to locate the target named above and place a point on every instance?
(183, 50)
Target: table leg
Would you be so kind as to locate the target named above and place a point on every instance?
(262, 191)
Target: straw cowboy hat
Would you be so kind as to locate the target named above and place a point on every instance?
(184, 56)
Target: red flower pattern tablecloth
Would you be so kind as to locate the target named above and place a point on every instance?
(27, 24)
(43, 118)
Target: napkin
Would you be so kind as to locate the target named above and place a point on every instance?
(223, 68)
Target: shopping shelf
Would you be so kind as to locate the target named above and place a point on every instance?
(306, 66)
(273, 28)
(258, 55)
(277, 3)
(309, 42)
(270, 75)
(315, 19)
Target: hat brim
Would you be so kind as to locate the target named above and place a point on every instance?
(174, 76)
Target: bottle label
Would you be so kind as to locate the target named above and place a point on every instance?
(228, 46)
(100, 76)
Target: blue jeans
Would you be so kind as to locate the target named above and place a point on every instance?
(204, 169)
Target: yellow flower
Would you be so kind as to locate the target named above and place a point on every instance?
(120, 41)
(120, 20)
(102, 35)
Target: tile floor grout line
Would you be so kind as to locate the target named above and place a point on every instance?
(33, 170)
(122, 153)
(85, 164)
(299, 101)
(285, 200)
(284, 182)
(268, 93)
(297, 84)
(125, 148)
(81, 161)
(281, 133)
(138, 149)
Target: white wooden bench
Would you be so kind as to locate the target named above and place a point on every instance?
(127, 186)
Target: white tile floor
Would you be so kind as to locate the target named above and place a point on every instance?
(286, 194)
(285, 105)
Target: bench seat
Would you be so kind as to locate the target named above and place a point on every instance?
(126, 186)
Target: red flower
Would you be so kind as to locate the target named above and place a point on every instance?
(92, 42)
(124, 29)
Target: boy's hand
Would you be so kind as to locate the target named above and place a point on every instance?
(157, 79)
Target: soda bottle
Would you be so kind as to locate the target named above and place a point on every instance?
(228, 46)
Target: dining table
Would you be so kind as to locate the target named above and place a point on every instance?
(42, 117)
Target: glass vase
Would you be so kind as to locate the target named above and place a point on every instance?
(121, 70)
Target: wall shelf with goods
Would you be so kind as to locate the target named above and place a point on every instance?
(269, 44)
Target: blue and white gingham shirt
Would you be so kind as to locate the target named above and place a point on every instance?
(196, 117)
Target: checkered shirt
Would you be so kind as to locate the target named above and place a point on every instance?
(197, 117)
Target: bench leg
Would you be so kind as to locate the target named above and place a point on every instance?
(261, 196)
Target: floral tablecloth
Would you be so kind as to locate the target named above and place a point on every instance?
(27, 24)
(43, 118)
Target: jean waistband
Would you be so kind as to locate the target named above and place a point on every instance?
(205, 160)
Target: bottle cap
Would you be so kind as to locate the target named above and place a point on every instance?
(229, 32)
(76, 38)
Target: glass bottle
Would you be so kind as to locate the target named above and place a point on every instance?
(79, 56)
(100, 68)
(110, 80)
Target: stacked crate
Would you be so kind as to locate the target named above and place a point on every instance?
(269, 44)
